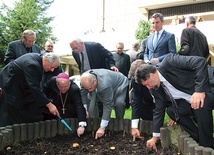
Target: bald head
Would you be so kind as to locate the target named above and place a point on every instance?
(88, 81)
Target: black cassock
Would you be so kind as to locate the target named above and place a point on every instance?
(23, 98)
(73, 107)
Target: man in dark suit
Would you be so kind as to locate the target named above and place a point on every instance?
(193, 41)
(186, 79)
(20, 82)
(20, 47)
(91, 55)
(160, 43)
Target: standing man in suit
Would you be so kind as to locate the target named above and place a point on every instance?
(20, 47)
(91, 55)
(193, 41)
(20, 82)
(110, 89)
(180, 85)
(160, 43)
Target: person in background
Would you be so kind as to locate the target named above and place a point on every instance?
(133, 51)
(140, 55)
(142, 102)
(122, 62)
(180, 85)
(65, 95)
(110, 89)
(20, 47)
(182, 19)
(91, 55)
(49, 46)
(193, 41)
(200, 19)
(160, 43)
(20, 82)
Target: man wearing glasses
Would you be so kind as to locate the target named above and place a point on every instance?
(20, 47)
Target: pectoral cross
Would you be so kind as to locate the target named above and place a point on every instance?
(63, 110)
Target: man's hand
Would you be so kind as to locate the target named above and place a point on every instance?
(156, 60)
(135, 133)
(197, 100)
(52, 108)
(114, 69)
(100, 132)
(151, 142)
(171, 122)
(80, 131)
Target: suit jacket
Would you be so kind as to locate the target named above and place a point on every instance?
(165, 45)
(142, 102)
(98, 56)
(21, 79)
(16, 49)
(193, 43)
(188, 74)
(110, 85)
(73, 104)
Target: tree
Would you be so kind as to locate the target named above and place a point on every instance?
(143, 30)
(26, 14)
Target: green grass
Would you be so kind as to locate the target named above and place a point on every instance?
(128, 115)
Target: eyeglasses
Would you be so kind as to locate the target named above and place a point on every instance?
(49, 46)
(29, 41)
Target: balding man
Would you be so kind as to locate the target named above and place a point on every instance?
(20, 47)
(110, 89)
(20, 82)
(65, 95)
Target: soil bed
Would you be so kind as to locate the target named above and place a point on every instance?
(115, 143)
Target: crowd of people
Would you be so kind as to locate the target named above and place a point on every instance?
(152, 81)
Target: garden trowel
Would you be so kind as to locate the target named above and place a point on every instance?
(64, 123)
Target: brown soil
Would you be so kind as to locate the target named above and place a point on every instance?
(115, 143)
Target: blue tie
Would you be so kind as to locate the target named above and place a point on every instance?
(156, 39)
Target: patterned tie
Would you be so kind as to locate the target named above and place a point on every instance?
(174, 104)
(156, 39)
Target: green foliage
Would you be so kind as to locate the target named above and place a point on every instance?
(26, 14)
(143, 30)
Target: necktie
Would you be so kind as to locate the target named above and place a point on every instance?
(174, 104)
(156, 39)
(82, 62)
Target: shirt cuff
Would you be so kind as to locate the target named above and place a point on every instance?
(103, 123)
(135, 123)
(156, 134)
(85, 106)
(82, 123)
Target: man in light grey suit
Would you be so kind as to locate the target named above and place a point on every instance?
(160, 43)
(110, 89)
(20, 47)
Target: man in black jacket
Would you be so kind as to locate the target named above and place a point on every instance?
(20, 47)
(20, 82)
(186, 79)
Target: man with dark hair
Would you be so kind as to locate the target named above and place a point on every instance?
(160, 43)
(180, 85)
(193, 41)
